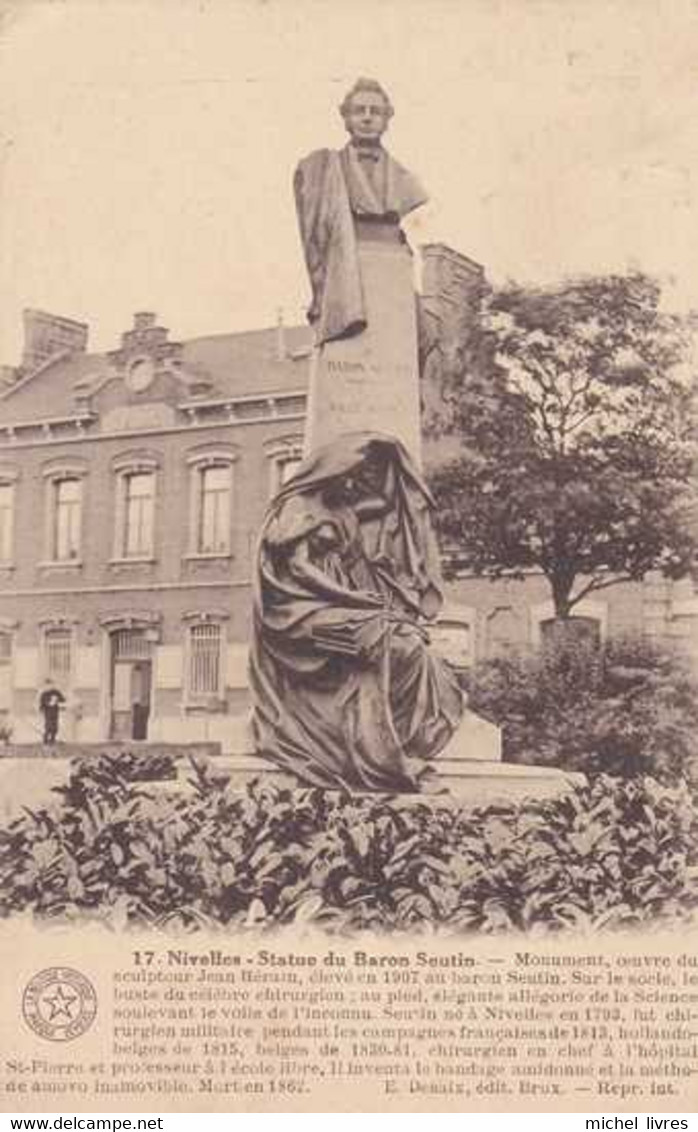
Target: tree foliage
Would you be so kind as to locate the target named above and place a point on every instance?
(577, 440)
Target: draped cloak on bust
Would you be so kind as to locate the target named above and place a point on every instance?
(331, 188)
(346, 692)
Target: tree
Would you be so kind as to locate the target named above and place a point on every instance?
(577, 440)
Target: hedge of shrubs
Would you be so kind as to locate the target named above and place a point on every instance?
(626, 708)
(612, 854)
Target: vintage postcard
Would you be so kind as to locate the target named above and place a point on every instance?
(348, 533)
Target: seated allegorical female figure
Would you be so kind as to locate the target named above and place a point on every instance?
(347, 694)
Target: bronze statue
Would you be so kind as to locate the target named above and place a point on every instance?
(346, 691)
(345, 193)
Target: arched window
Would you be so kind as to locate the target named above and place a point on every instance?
(284, 456)
(7, 515)
(64, 513)
(136, 496)
(211, 503)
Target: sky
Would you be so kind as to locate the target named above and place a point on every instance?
(147, 148)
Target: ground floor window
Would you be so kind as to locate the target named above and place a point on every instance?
(204, 660)
(58, 656)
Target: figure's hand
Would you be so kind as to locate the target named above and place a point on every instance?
(430, 603)
(369, 652)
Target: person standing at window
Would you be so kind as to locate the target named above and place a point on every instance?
(51, 701)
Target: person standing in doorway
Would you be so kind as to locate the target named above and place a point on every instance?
(51, 701)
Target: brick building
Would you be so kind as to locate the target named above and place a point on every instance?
(132, 488)
(132, 485)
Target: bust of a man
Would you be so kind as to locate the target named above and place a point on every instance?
(376, 184)
(333, 189)
(366, 111)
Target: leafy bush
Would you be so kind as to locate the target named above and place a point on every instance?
(626, 709)
(608, 855)
(132, 766)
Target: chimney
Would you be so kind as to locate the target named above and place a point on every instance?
(143, 320)
(450, 281)
(145, 335)
(48, 335)
(449, 304)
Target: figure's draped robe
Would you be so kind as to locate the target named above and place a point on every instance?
(346, 692)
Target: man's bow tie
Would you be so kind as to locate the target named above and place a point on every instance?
(368, 154)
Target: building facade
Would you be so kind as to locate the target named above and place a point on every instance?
(132, 488)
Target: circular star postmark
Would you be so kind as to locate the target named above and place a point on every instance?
(59, 1004)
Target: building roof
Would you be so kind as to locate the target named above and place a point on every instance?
(232, 365)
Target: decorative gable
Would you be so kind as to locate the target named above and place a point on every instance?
(143, 381)
(146, 353)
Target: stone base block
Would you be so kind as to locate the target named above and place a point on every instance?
(487, 783)
(30, 772)
(475, 739)
(28, 784)
(480, 783)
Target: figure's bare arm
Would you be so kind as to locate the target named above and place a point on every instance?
(372, 507)
(303, 570)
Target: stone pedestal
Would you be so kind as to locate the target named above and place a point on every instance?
(466, 781)
(370, 382)
(29, 784)
(469, 768)
(475, 740)
(469, 782)
(30, 773)
(487, 784)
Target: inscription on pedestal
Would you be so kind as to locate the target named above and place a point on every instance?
(370, 382)
(353, 397)
(347, 367)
